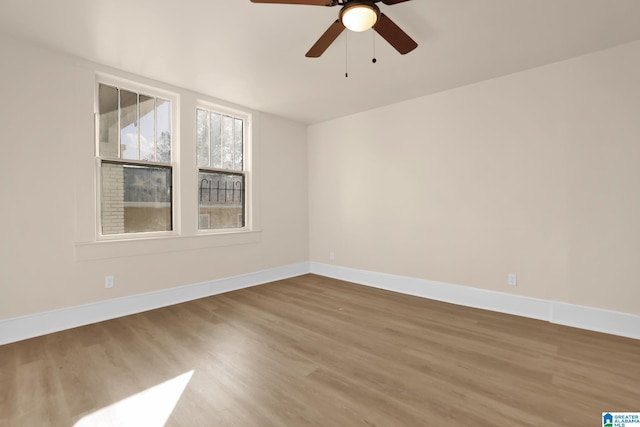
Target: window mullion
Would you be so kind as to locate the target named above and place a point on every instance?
(138, 130)
(119, 125)
(221, 131)
(155, 128)
(210, 140)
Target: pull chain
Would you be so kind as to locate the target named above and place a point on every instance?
(346, 54)
(374, 60)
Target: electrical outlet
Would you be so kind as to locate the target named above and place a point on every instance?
(109, 281)
(512, 279)
(332, 256)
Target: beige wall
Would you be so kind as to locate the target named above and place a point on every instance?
(47, 186)
(534, 173)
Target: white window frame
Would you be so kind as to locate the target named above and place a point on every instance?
(90, 245)
(247, 170)
(128, 85)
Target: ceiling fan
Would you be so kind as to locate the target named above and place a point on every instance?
(356, 15)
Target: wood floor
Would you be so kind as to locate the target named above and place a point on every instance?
(312, 351)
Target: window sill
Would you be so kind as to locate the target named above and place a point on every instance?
(105, 249)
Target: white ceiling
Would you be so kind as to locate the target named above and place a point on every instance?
(253, 54)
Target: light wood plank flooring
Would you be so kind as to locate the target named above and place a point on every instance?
(312, 351)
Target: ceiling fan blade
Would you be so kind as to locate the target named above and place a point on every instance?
(390, 2)
(326, 39)
(394, 35)
(308, 2)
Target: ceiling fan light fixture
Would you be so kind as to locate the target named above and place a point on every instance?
(359, 15)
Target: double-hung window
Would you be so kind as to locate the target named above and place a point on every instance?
(134, 137)
(222, 179)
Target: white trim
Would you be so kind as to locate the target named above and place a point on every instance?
(593, 319)
(589, 318)
(104, 249)
(248, 140)
(21, 328)
(455, 294)
(121, 83)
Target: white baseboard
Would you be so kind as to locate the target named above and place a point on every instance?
(593, 319)
(21, 328)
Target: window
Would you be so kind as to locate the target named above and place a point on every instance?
(221, 170)
(134, 155)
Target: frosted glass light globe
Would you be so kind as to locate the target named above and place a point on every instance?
(359, 18)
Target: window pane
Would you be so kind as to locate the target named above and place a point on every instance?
(216, 141)
(203, 133)
(112, 191)
(135, 198)
(129, 125)
(108, 118)
(147, 128)
(237, 155)
(227, 142)
(221, 199)
(163, 130)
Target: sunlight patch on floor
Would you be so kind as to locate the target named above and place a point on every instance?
(150, 408)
